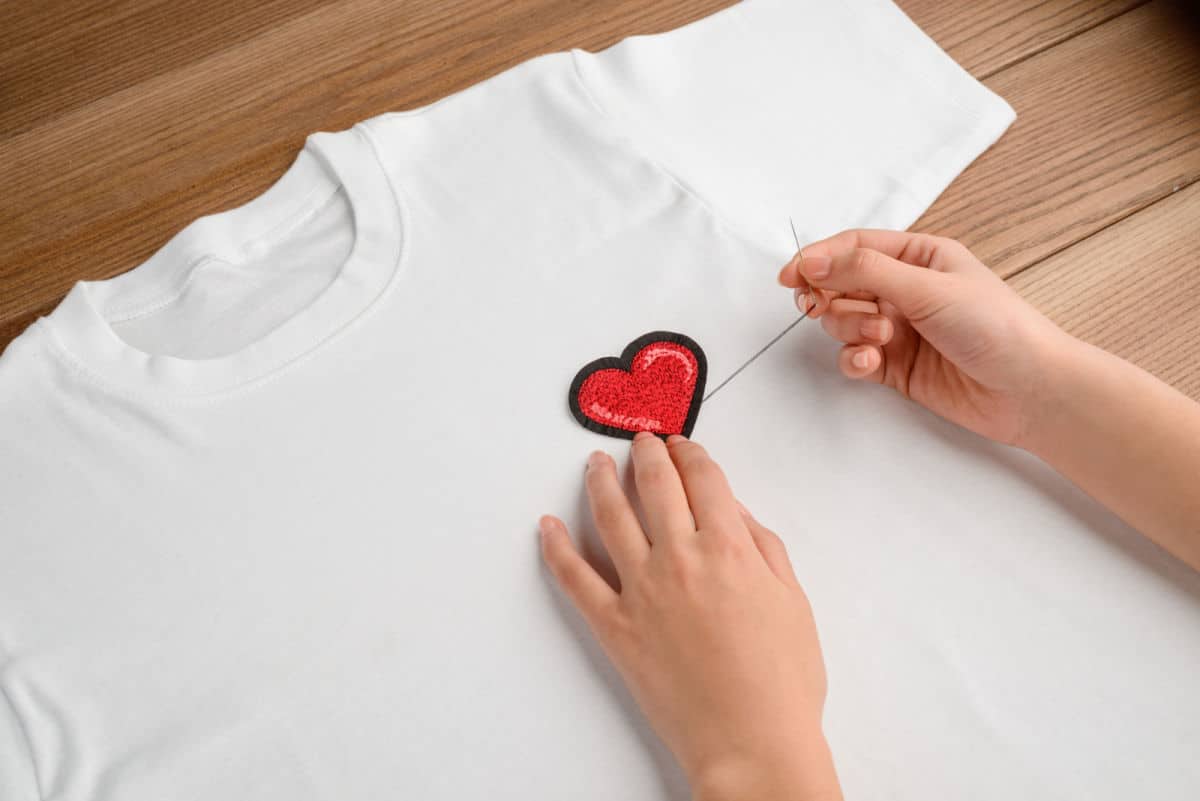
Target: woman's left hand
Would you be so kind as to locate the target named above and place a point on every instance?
(709, 629)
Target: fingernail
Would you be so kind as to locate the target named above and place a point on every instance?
(875, 328)
(546, 526)
(861, 359)
(641, 435)
(675, 439)
(785, 273)
(597, 459)
(816, 267)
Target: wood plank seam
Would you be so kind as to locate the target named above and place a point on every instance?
(986, 74)
(1069, 167)
(1132, 212)
(1131, 289)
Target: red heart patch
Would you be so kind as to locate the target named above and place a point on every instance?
(655, 385)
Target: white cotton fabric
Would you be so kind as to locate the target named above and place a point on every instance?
(268, 501)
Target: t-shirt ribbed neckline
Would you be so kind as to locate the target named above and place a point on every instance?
(82, 324)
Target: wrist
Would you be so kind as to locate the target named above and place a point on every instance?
(804, 773)
(1056, 390)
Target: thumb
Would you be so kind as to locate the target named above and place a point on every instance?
(916, 291)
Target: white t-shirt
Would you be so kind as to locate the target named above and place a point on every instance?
(268, 501)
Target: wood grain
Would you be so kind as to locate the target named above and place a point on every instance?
(1108, 122)
(1132, 289)
(986, 37)
(62, 54)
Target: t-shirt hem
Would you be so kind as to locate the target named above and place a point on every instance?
(928, 181)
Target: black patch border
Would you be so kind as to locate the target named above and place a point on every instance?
(625, 362)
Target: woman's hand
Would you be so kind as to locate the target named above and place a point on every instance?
(922, 315)
(710, 629)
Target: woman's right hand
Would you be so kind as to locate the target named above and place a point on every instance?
(922, 315)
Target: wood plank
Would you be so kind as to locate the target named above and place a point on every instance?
(61, 54)
(1109, 122)
(1132, 289)
(985, 36)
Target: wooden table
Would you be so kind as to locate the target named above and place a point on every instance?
(123, 120)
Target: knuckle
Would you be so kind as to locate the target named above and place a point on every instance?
(774, 539)
(845, 237)
(949, 256)
(690, 456)
(655, 477)
(614, 629)
(773, 542)
(723, 546)
(566, 571)
(950, 245)
(863, 260)
(678, 562)
(606, 515)
(920, 249)
(709, 472)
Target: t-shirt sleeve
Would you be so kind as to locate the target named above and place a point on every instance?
(836, 114)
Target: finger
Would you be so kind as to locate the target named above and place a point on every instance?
(912, 248)
(804, 298)
(849, 304)
(822, 301)
(712, 502)
(861, 361)
(916, 291)
(921, 250)
(615, 519)
(814, 302)
(773, 551)
(663, 500)
(856, 327)
(590, 593)
(790, 275)
(811, 301)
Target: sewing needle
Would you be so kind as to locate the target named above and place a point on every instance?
(778, 337)
(811, 293)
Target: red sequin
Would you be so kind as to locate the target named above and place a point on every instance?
(655, 386)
